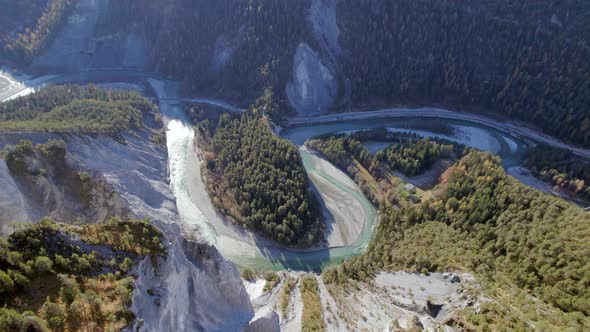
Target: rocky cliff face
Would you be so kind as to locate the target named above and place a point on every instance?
(84, 44)
(13, 204)
(41, 182)
(193, 289)
(314, 88)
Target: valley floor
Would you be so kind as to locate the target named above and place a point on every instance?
(515, 129)
(146, 188)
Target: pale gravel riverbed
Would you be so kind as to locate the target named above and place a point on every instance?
(345, 215)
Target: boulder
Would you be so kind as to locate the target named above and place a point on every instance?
(267, 320)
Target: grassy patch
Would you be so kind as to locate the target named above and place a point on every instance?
(248, 275)
(285, 295)
(136, 237)
(313, 313)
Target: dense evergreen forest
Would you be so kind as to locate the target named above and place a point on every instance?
(525, 60)
(561, 168)
(337, 148)
(197, 41)
(67, 278)
(503, 56)
(72, 108)
(28, 26)
(258, 179)
(413, 155)
(506, 233)
(530, 66)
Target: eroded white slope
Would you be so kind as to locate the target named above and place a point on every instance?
(314, 87)
(193, 288)
(13, 204)
(322, 16)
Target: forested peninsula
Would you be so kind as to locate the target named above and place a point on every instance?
(257, 179)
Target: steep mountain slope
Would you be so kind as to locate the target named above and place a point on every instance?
(520, 59)
(319, 54)
(514, 239)
(192, 286)
(511, 62)
(530, 66)
(28, 27)
(51, 187)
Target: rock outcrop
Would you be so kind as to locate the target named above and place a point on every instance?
(314, 88)
(44, 183)
(14, 206)
(266, 320)
(193, 289)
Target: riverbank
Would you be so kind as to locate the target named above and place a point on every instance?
(515, 129)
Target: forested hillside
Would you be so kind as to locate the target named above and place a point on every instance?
(508, 234)
(258, 180)
(504, 56)
(561, 168)
(408, 153)
(55, 277)
(235, 49)
(72, 108)
(531, 65)
(28, 26)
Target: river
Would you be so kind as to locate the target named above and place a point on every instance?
(248, 250)
(242, 247)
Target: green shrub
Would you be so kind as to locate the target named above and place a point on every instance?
(248, 275)
(271, 280)
(54, 315)
(69, 288)
(20, 280)
(6, 283)
(43, 265)
(12, 321)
